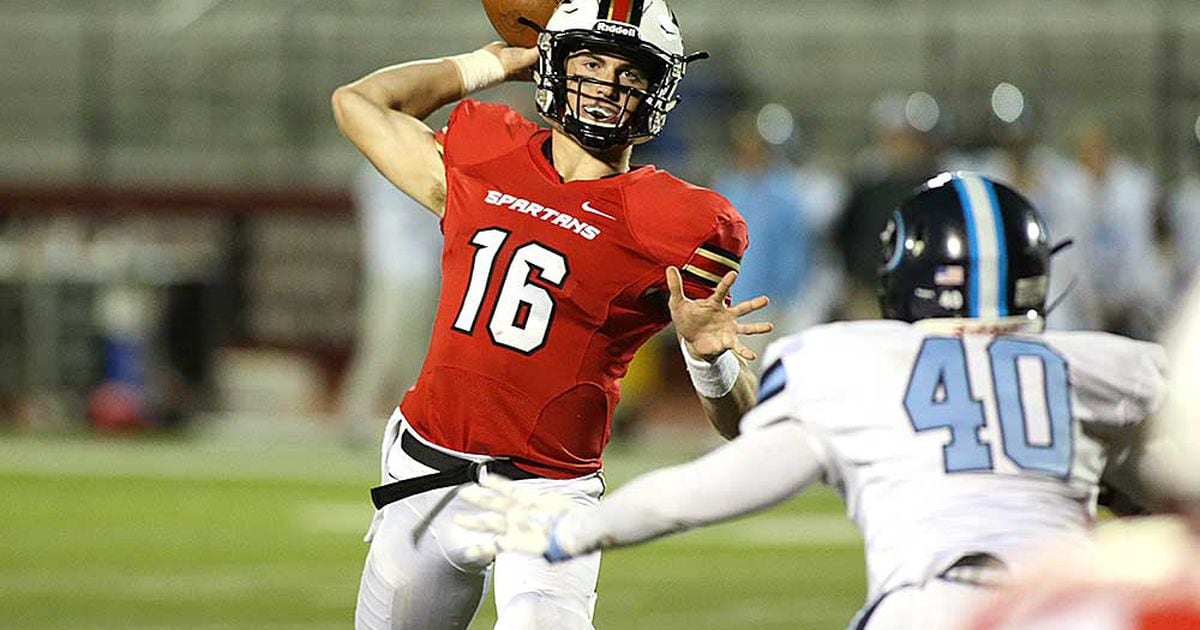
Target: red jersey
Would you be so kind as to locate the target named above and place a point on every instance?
(548, 289)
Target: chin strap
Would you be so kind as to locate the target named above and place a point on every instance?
(1061, 296)
(1057, 248)
(696, 56)
(528, 23)
(1061, 245)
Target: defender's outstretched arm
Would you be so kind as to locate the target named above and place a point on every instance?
(751, 473)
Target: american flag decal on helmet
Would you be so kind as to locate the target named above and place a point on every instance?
(710, 263)
(627, 11)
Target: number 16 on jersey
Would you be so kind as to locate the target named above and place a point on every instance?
(939, 397)
(524, 310)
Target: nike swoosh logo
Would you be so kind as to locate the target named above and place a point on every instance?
(587, 207)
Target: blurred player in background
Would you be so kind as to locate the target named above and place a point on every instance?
(961, 436)
(1130, 281)
(762, 182)
(1024, 159)
(788, 209)
(560, 259)
(400, 283)
(904, 152)
(1183, 216)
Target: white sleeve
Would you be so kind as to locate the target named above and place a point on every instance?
(1116, 381)
(753, 472)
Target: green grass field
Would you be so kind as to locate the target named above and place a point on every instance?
(214, 535)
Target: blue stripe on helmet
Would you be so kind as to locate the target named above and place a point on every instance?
(964, 200)
(1001, 251)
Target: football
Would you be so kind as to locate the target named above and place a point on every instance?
(504, 15)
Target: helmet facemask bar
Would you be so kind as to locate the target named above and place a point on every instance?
(554, 88)
(592, 133)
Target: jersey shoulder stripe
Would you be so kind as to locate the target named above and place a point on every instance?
(773, 381)
(709, 263)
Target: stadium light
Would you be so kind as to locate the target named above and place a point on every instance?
(1008, 103)
(775, 123)
(922, 111)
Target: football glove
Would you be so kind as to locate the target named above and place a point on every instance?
(522, 519)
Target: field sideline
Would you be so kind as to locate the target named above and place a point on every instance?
(209, 535)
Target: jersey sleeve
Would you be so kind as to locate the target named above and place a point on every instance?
(1117, 381)
(719, 253)
(781, 400)
(750, 473)
(478, 132)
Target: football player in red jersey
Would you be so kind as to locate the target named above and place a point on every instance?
(560, 259)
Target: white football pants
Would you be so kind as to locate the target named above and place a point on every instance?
(935, 605)
(429, 585)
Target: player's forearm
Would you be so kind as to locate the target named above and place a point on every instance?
(726, 388)
(416, 88)
(751, 473)
(725, 412)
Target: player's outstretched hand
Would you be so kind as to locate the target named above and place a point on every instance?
(521, 519)
(518, 62)
(707, 326)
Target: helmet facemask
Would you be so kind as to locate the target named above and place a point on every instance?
(560, 96)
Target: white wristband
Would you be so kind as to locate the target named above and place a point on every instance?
(712, 380)
(478, 70)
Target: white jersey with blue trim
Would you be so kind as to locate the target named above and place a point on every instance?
(949, 445)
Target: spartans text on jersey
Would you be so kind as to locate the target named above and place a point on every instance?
(534, 209)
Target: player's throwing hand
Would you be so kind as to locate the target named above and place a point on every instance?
(518, 62)
(709, 327)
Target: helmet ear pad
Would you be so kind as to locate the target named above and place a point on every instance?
(941, 260)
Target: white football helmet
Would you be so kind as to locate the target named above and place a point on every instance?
(643, 31)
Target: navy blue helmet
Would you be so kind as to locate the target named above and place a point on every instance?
(964, 245)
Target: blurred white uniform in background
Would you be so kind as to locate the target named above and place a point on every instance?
(1127, 280)
(824, 193)
(401, 248)
(1183, 207)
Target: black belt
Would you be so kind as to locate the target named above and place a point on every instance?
(452, 471)
(976, 569)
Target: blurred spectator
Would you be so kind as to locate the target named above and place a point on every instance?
(1183, 217)
(690, 143)
(903, 154)
(824, 195)
(1055, 185)
(1129, 279)
(767, 188)
(401, 247)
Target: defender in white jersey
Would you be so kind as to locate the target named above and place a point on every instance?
(962, 437)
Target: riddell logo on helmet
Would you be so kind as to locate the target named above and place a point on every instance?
(616, 28)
